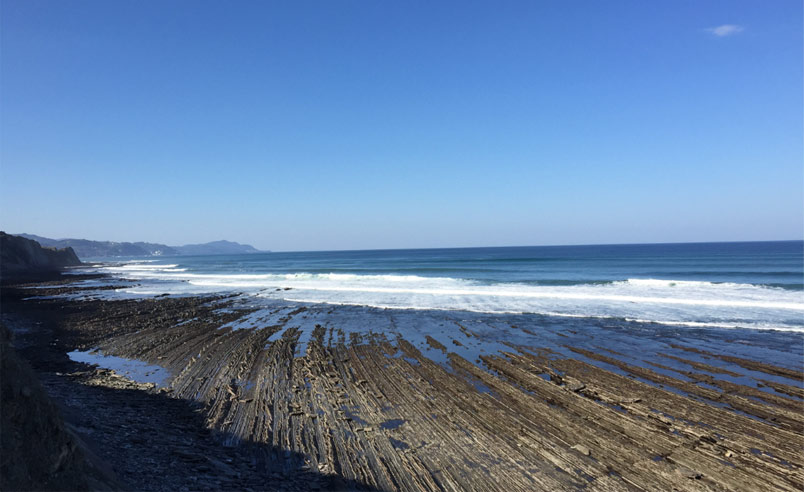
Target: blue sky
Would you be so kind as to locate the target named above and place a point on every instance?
(364, 124)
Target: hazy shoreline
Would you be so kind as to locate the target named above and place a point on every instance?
(375, 409)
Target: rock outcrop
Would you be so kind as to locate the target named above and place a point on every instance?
(19, 255)
(39, 451)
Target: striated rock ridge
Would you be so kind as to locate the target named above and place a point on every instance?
(375, 409)
(19, 255)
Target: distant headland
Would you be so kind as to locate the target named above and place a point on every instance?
(86, 248)
(22, 256)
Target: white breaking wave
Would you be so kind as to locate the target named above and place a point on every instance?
(139, 267)
(673, 302)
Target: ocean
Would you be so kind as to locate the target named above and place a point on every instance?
(745, 285)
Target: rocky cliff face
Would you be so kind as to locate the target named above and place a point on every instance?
(19, 255)
(39, 452)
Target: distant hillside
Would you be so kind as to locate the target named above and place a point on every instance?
(216, 248)
(20, 255)
(91, 249)
(85, 248)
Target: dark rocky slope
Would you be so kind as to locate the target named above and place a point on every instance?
(39, 451)
(19, 255)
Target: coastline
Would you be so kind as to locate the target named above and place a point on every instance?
(371, 410)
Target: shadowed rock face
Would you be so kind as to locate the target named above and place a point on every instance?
(39, 452)
(19, 255)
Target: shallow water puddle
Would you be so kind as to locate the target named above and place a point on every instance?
(136, 370)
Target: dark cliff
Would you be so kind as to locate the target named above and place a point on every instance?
(19, 255)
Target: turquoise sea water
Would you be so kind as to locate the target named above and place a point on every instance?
(752, 285)
(641, 302)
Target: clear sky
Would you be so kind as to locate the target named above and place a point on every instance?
(371, 124)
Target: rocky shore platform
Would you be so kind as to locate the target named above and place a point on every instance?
(274, 407)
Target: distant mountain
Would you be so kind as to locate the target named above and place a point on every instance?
(85, 248)
(216, 248)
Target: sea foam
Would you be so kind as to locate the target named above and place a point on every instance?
(673, 302)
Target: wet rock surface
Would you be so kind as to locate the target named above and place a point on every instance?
(261, 409)
(142, 438)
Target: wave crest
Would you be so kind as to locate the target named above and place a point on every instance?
(675, 302)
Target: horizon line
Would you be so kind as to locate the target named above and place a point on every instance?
(434, 248)
(535, 246)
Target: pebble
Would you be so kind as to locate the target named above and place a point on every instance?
(576, 386)
(688, 473)
(582, 449)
